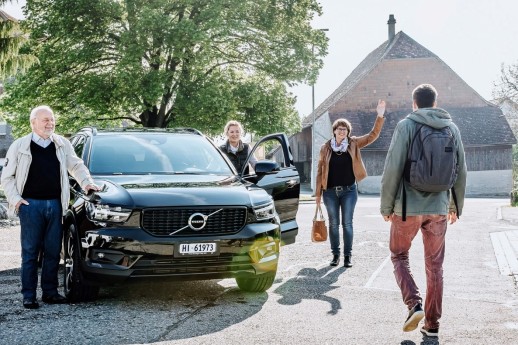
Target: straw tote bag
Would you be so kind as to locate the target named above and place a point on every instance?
(319, 229)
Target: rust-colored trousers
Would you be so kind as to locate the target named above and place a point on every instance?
(433, 229)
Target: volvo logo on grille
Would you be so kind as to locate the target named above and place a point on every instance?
(197, 221)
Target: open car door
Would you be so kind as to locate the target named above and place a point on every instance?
(275, 172)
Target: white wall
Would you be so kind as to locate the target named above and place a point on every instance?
(323, 132)
(478, 183)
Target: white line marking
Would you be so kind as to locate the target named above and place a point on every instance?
(375, 274)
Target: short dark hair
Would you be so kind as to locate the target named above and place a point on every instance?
(424, 96)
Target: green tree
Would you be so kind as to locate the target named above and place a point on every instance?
(12, 38)
(164, 63)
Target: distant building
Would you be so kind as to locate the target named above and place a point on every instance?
(510, 111)
(6, 139)
(391, 72)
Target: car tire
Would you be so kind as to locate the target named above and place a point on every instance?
(259, 283)
(76, 288)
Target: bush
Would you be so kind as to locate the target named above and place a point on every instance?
(514, 197)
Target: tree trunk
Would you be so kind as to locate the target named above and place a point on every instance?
(151, 119)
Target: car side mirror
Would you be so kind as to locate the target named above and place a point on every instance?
(265, 167)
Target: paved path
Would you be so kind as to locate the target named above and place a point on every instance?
(309, 303)
(505, 241)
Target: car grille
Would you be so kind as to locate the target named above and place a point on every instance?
(223, 264)
(162, 222)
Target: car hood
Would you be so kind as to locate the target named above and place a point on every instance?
(141, 191)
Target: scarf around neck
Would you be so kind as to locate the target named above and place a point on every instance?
(339, 148)
(232, 149)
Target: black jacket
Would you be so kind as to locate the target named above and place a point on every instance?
(238, 158)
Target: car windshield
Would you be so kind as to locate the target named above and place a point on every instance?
(155, 153)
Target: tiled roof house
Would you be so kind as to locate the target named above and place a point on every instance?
(391, 72)
(6, 17)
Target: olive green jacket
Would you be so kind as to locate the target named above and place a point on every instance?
(417, 202)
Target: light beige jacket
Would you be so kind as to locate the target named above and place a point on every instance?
(355, 144)
(19, 158)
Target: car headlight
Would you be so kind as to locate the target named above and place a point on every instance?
(265, 211)
(106, 213)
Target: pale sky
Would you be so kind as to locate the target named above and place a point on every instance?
(473, 37)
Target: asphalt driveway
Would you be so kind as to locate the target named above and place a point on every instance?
(309, 303)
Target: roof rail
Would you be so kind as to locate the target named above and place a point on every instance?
(92, 129)
(95, 130)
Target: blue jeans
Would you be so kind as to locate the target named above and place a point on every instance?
(41, 229)
(344, 200)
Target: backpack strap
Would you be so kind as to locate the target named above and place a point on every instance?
(404, 202)
(455, 201)
(419, 126)
(406, 170)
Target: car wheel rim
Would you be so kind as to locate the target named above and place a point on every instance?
(69, 262)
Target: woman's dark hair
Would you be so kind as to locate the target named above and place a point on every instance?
(424, 96)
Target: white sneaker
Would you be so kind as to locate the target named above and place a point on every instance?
(431, 332)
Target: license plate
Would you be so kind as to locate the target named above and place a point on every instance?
(207, 248)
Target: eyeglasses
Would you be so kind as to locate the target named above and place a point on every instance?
(341, 129)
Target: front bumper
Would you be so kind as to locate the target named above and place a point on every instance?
(117, 254)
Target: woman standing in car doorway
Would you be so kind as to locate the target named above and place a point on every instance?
(340, 168)
(235, 148)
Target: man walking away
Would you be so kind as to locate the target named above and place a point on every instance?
(411, 209)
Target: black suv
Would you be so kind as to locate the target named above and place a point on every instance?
(173, 205)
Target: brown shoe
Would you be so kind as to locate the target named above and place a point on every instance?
(56, 299)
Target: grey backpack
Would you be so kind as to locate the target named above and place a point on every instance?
(432, 162)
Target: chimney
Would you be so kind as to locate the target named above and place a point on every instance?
(391, 27)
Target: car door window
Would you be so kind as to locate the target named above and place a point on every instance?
(276, 173)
